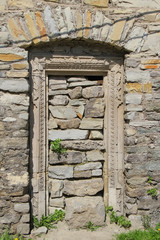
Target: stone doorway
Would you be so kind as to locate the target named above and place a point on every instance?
(93, 137)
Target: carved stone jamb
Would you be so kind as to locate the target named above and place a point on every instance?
(113, 166)
(114, 137)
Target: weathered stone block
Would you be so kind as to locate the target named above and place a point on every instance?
(22, 4)
(97, 3)
(21, 207)
(25, 218)
(76, 93)
(57, 202)
(97, 172)
(83, 174)
(58, 87)
(83, 187)
(63, 112)
(55, 188)
(95, 135)
(94, 108)
(137, 76)
(11, 217)
(134, 87)
(67, 158)
(93, 92)
(83, 145)
(69, 134)
(52, 123)
(88, 166)
(17, 74)
(83, 84)
(72, 123)
(13, 85)
(76, 79)
(61, 172)
(81, 210)
(133, 98)
(95, 155)
(91, 123)
(39, 231)
(23, 228)
(117, 30)
(59, 100)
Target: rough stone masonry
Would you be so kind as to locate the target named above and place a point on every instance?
(127, 29)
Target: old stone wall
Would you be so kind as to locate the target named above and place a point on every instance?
(130, 28)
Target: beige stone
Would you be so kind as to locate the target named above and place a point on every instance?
(20, 66)
(22, 4)
(95, 135)
(71, 123)
(79, 23)
(95, 155)
(134, 87)
(16, 30)
(117, 30)
(57, 202)
(17, 74)
(29, 17)
(91, 123)
(97, 3)
(88, 23)
(3, 4)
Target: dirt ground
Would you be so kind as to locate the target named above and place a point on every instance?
(64, 233)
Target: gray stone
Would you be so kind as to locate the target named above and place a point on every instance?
(133, 108)
(59, 100)
(132, 62)
(135, 39)
(10, 217)
(80, 211)
(69, 19)
(133, 98)
(63, 112)
(144, 123)
(67, 158)
(83, 145)
(57, 202)
(40, 230)
(56, 80)
(21, 207)
(55, 188)
(4, 37)
(5, 67)
(58, 87)
(93, 92)
(23, 228)
(69, 134)
(94, 155)
(137, 76)
(94, 108)
(61, 172)
(77, 102)
(72, 123)
(25, 218)
(136, 4)
(84, 83)
(9, 99)
(58, 92)
(80, 111)
(95, 135)
(14, 85)
(91, 123)
(76, 93)
(50, 21)
(97, 172)
(83, 187)
(76, 79)
(82, 174)
(88, 166)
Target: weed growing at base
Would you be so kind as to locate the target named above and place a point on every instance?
(149, 234)
(7, 236)
(49, 220)
(90, 226)
(56, 146)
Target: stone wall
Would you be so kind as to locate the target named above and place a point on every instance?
(130, 27)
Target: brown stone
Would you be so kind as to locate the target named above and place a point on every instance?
(79, 24)
(97, 3)
(88, 23)
(41, 27)
(134, 87)
(76, 93)
(72, 123)
(150, 61)
(94, 108)
(9, 57)
(32, 28)
(21, 3)
(147, 88)
(82, 174)
(17, 74)
(20, 66)
(150, 66)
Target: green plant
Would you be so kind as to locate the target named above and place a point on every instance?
(119, 220)
(49, 220)
(158, 226)
(150, 180)
(146, 221)
(152, 192)
(149, 234)
(90, 226)
(56, 146)
(108, 209)
(7, 236)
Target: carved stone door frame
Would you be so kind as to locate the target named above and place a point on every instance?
(112, 70)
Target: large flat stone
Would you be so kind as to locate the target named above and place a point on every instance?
(93, 92)
(84, 83)
(94, 108)
(61, 172)
(20, 85)
(133, 98)
(88, 166)
(81, 210)
(94, 155)
(69, 134)
(83, 187)
(67, 158)
(91, 123)
(63, 112)
(83, 145)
